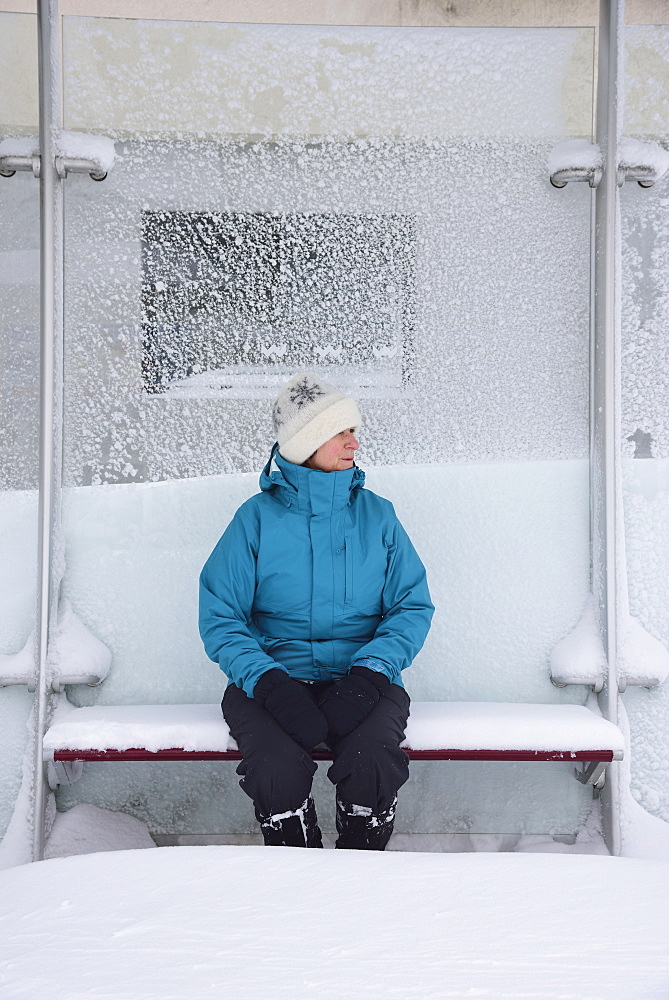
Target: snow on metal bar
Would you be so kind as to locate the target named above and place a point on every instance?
(95, 152)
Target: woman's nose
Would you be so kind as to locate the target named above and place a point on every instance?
(352, 443)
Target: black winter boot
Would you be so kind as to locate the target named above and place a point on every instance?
(296, 828)
(360, 829)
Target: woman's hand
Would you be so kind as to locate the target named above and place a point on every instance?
(349, 701)
(292, 707)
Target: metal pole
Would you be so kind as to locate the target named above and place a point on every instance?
(51, 317)
(606, 468)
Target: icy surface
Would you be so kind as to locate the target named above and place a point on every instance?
(18, 570)
(19, 667)
(448, 128)
(332, 123)
(645, 405)
(646, 80)
(19, 344)
(645, 313)
(432, 725)
(643, 658)
(643, 835)
(15, 771)
(235, 921)
(490, 232)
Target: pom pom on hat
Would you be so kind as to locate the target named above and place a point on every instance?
(307, 413)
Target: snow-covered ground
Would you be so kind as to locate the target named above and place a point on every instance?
(245, 922)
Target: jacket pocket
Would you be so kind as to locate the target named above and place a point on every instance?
(348, 553)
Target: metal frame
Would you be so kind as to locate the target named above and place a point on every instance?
(64, 165)
(135, 754)
(594, 774)
(65, 767)
(593, 175)
(606, 513)
(645, 174)
(605, 475)
(51, 385)
(51, 169)
(605, 463)
(58, 682)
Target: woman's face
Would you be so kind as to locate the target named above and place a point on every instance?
(336, 454)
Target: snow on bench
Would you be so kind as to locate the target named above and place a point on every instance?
(436, 731)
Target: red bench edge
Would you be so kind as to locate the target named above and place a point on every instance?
(176, 754)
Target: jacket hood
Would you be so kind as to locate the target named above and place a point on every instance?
(309, 490)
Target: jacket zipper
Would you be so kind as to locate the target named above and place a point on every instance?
(349, 569)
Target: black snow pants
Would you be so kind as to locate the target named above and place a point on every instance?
(368, 766)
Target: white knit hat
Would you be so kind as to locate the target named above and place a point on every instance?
(307, 413)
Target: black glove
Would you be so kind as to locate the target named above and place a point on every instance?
(349, 701)
(292, 707)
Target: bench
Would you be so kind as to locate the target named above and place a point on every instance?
(436, 731)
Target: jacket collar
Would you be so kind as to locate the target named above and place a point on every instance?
(310, 491)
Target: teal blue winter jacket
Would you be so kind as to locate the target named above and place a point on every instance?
(313, 575)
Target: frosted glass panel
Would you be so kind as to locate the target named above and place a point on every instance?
(499, 366)
(645, 402)
(205, 79)
(19, 330)
(372, 203)
(19, 392)
(233, 303)
(487, 285)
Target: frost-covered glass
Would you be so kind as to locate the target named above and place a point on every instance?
(493, 309)
(645, 402)
(19, 393)
(441, 131)
(233, 304)
(373, 204)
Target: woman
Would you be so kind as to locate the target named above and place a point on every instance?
(313, 602)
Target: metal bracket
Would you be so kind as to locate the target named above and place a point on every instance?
(91, 680)
(63, 772)
(593, 175)
(648, 683)
(596, 684)
(644, 174)
(18, 681)
(64, 165)
(10, 164)
(593, 774)
(58, 684)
